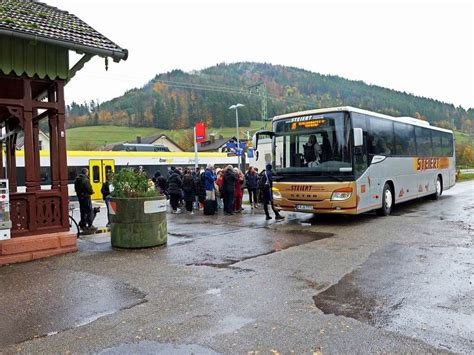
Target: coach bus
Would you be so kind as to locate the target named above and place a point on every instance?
(347, 160)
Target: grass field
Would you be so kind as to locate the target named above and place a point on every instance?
(465, 177)
(93, 137)
(462, 137)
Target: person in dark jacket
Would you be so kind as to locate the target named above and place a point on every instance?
(251, 180)
(106, 190)
(189, 189)
(174, 189)
(84, 191)
(267, 184)
(160, 183)
(201, 187)
(228, 187)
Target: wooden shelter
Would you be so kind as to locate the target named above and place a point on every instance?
(35, 40)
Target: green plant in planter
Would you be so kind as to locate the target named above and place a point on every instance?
(129, 183)
(138, 218)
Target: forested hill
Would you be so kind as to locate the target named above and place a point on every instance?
(177, 100)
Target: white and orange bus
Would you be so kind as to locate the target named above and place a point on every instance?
(348, 161)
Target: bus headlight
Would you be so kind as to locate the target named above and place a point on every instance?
(341, 194)
(276, 193)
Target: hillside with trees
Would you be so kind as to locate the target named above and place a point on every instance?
(177, 100)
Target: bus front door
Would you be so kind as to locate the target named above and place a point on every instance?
(98, 171)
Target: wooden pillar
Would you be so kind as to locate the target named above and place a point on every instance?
(53, 141)
(29, 148)
(62, 153)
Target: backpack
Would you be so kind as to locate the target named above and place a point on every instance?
(188, 184)
(262, 181)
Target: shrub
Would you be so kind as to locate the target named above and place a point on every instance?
(130, 183)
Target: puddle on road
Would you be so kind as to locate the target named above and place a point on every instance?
(44, 303)
(346, 299)
(147, 347)
(327, 219)
(275, 241)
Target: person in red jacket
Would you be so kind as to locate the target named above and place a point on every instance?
(238, 192)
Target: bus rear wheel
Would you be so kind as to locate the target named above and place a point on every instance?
(439, 189)
(387, 201)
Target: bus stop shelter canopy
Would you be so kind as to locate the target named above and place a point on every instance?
(39, 36)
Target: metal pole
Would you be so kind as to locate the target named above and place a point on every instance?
(238, 140)
(195, 151)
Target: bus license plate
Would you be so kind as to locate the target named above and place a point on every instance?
(304, 207)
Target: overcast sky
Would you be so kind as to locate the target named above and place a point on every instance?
(420, 47)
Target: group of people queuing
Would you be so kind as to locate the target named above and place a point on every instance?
(209, 189)
(213, 188)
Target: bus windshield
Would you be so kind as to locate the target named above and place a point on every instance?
(313, 144)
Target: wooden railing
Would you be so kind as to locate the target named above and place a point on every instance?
(37, 212)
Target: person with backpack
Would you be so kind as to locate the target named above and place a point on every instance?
(228, 187)
(189, 189)
(266, 184)
(174, 189)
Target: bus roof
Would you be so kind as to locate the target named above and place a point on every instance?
(409, 120)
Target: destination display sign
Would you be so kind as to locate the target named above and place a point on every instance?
(307, 122)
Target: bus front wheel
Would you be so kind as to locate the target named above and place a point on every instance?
(439, 189)
(387, 201)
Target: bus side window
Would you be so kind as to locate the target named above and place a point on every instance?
(447, 144)
(437, 144)
(423, 142)
(380, 137)
(404, 140)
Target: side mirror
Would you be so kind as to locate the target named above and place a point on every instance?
(255, 142)
(358, 137)
(257, 135)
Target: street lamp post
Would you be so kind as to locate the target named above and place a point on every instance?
(236, 108)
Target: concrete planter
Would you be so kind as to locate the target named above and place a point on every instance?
(138, 222)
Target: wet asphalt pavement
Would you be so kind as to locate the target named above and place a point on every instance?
(239, 284)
